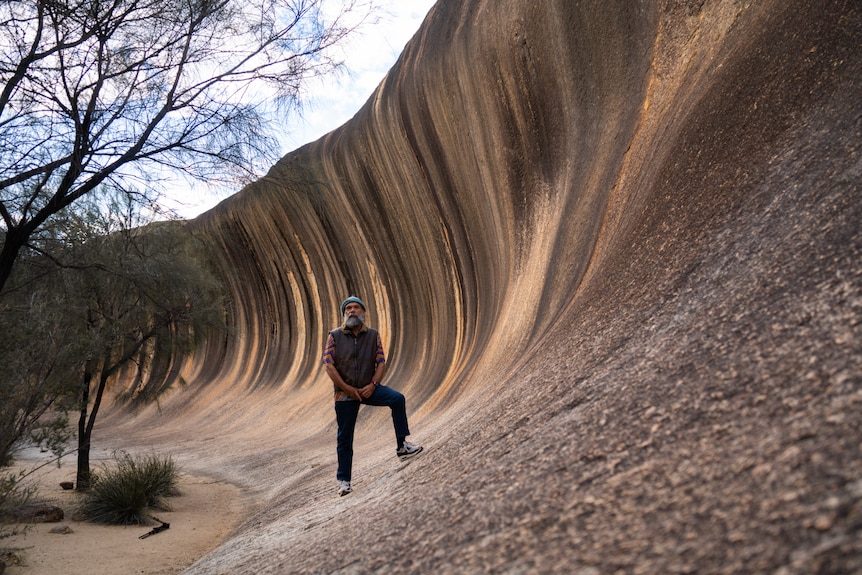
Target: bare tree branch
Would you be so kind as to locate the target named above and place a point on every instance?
(95, 93)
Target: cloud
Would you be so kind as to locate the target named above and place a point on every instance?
(368, 56)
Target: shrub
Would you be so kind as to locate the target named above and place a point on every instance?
(14, 494)
(122, 496)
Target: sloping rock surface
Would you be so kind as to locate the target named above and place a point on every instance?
(614, 251)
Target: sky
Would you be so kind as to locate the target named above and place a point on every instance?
(332, 101)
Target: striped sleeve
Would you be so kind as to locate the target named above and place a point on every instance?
(329, 350)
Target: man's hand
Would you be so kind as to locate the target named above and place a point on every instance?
(366, 391)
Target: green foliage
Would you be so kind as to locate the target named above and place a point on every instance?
(53, 434)
(123, 495)
(100, 298)
(146, 296)
(38, 354)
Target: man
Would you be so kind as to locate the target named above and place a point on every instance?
(354, 360)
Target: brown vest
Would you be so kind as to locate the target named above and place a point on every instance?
(355, 356)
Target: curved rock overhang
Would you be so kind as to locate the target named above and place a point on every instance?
(613, 249)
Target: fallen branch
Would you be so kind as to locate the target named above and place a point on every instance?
(155, 530)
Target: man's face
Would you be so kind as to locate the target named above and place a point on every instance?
(354, 315)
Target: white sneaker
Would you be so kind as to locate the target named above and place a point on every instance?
(344, 488)
(408, 450)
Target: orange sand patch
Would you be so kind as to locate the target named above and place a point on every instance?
(200, 518)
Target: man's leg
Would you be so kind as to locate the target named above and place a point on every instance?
(345, 414)
(387, 397)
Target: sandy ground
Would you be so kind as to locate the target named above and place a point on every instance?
(201, 517)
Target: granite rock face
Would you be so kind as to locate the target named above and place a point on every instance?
(614, 252)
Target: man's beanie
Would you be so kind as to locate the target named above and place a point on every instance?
(351, 299)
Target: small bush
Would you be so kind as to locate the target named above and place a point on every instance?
(14, 494)
(121, 496)
(160, 474)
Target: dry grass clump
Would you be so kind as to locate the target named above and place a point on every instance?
(124, 494)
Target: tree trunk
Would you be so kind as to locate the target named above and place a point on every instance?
(82, 480)
(12, 245)
(86, 423)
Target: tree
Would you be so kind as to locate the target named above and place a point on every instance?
(144, 298)
(39, 348)
(109, 300)
(37, 351)
(98, 94)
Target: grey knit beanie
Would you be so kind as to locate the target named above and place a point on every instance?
(352, 299)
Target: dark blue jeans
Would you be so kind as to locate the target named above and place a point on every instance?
(346, 413)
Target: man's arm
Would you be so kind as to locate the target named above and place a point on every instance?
(336, 379)
(366, 391)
